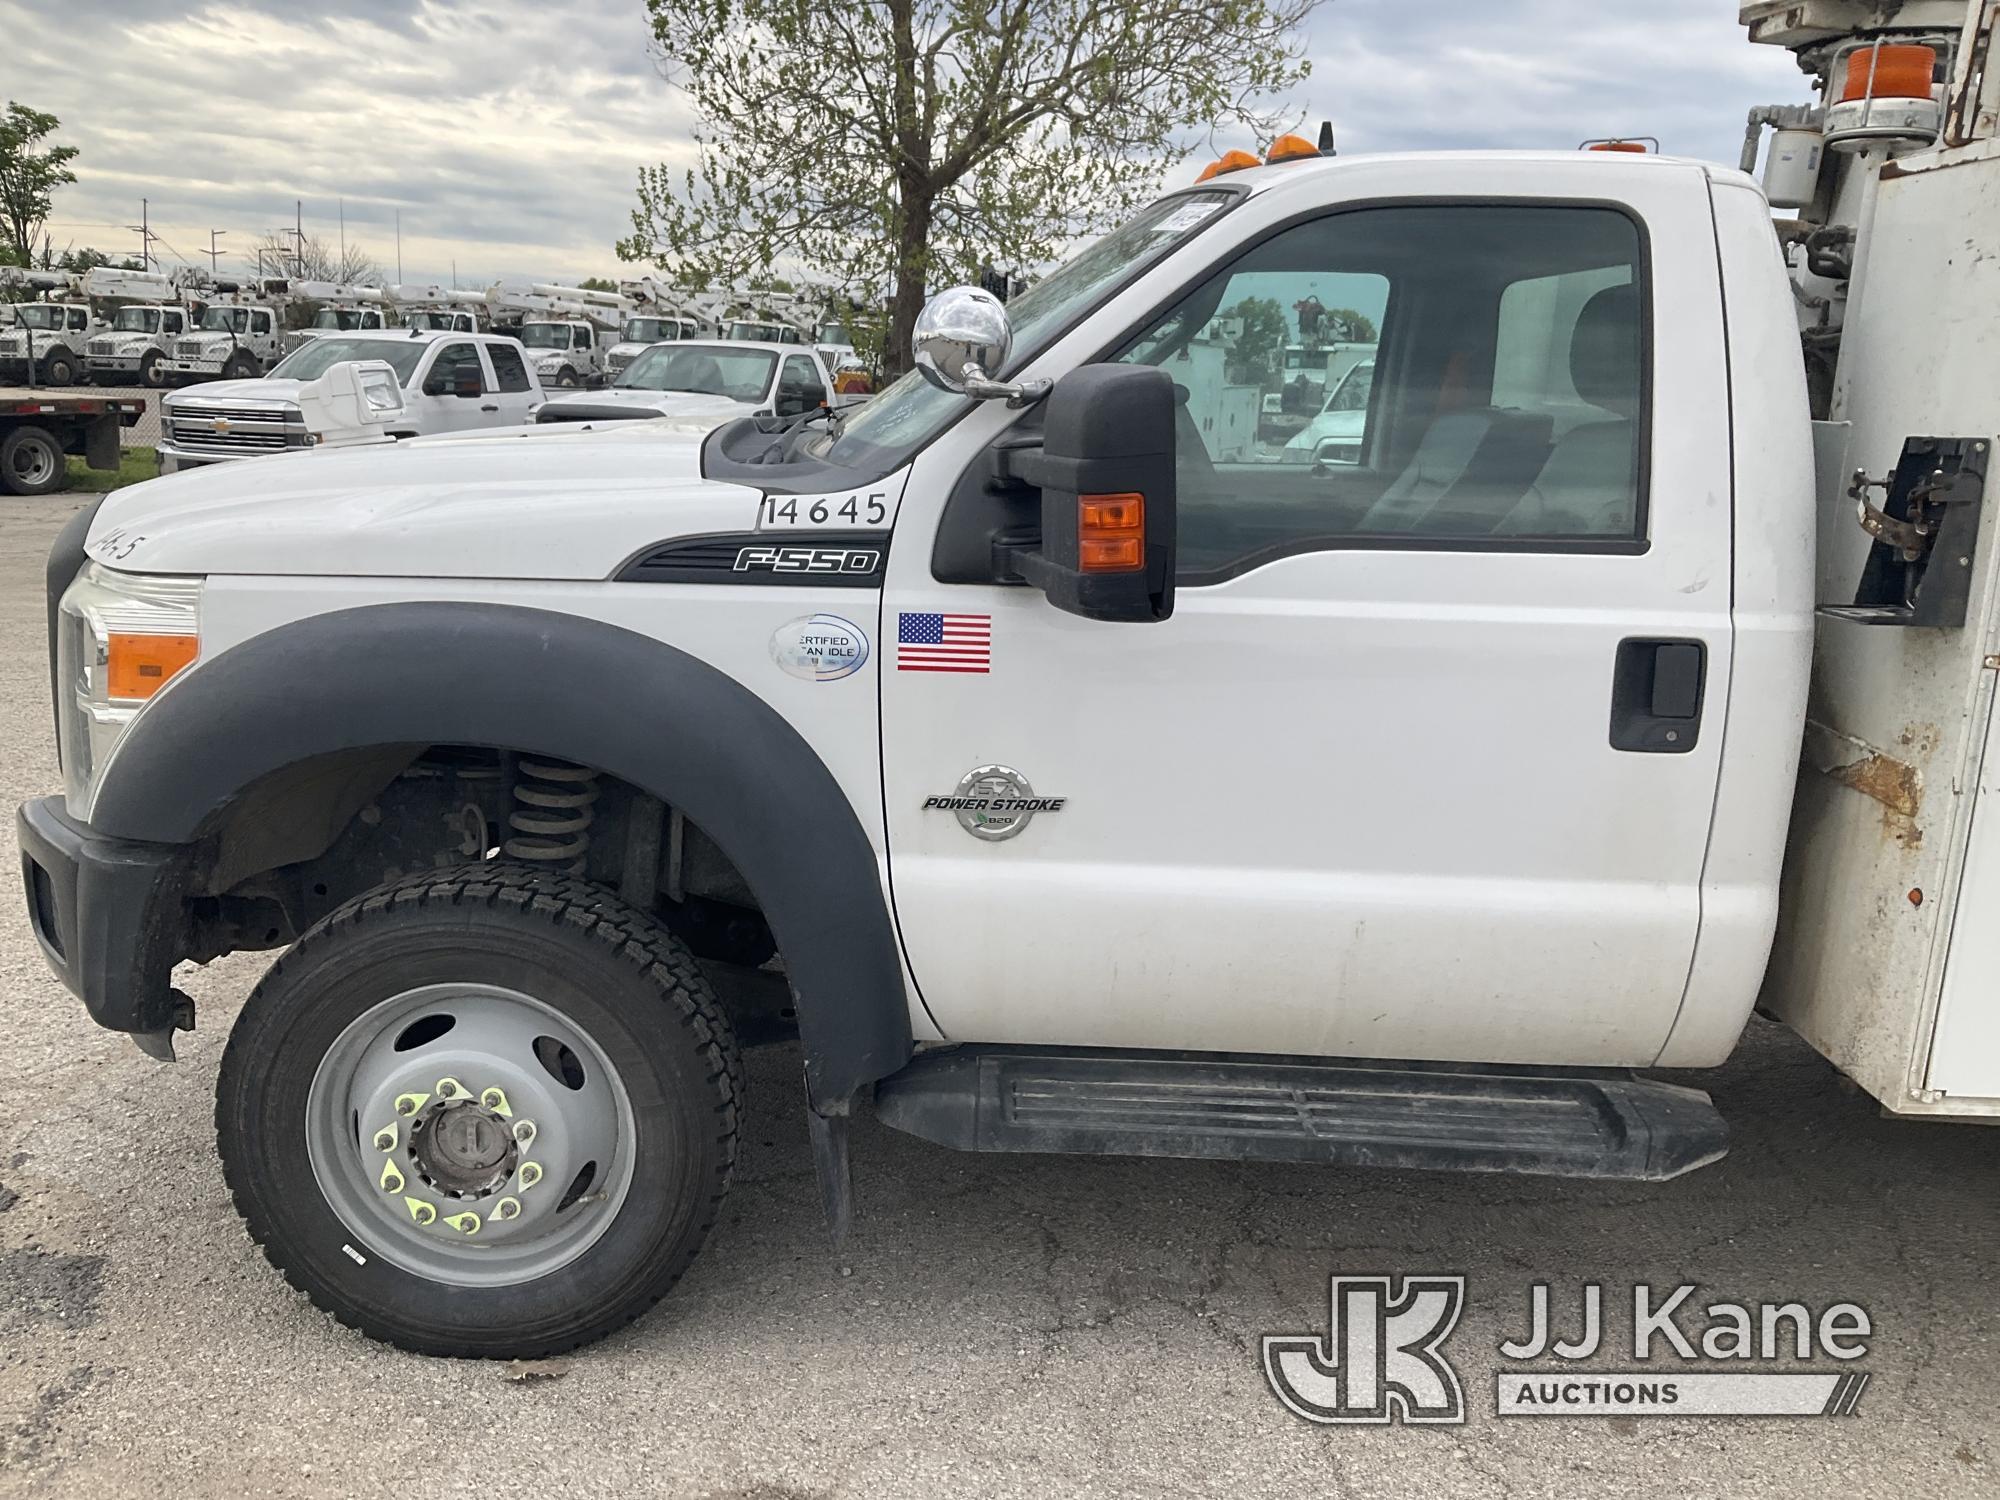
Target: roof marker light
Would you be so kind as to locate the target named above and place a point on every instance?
(1637, 145)
(1290, 148)
(1229, 161)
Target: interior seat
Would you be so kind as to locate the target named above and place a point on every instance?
(1468, 462)
(1589, 486)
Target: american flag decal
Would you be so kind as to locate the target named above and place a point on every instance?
(944, 643)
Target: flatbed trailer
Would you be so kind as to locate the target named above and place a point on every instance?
(38, 430)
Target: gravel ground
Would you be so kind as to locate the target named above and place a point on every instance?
(1008, 1326)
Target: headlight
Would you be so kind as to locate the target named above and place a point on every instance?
(122, 637)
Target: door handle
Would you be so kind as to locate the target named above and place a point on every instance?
(489, 408)
(1657, 688)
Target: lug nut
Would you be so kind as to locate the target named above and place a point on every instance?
(392, 1180)
(531, 1173)
(449, 1088)
(385, 1138)
(524, 1132)
(496, 1100)
(507, 1208)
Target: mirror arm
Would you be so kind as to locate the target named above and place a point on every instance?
(1016, 393)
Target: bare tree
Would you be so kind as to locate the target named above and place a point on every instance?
(313, 259)
(891, 145)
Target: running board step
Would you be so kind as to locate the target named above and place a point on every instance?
(1553, 1121)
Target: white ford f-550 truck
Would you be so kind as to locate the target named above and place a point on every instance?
(1096, 794)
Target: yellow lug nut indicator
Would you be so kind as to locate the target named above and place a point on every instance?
(409, 1104)
(385, 1138)
(466, 1223)
(450, 1088)
(531, 1173)
(524, 1133)
(507, 1208)
(392, 1180)
(424, 1213)
(495, 1099)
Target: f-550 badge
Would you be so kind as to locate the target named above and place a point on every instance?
(994, 803)
(844, 560)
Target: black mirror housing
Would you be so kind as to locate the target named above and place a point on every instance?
(1108, 437)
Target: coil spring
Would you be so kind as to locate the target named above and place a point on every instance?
(552, 823)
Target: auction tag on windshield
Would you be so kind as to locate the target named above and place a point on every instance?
(870, 509)
(1186, 217)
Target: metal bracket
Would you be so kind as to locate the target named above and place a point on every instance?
(1919, 572)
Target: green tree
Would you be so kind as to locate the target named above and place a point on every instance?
(891, 146)
(28, 177)
(1254, 356)
(598, 284)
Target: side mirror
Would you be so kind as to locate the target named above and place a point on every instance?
(1109, 499)
(962, 337)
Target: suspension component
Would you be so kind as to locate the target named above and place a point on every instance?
(551, 825)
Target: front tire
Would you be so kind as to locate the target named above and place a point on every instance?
(152, 375)
(488, 1111)
(59, 369)
(566, 378)
(240, 367)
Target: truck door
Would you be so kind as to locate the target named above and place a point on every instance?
(1424, 762)
(455, 390)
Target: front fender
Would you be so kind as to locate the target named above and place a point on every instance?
(551, 684)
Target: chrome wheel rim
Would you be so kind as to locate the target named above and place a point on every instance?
(470, 1134)
(34, 462)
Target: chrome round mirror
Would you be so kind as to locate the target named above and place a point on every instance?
(962, 340)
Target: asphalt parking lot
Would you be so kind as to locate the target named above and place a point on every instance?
(1002, 1325)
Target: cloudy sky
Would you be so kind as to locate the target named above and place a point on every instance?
(507, 133)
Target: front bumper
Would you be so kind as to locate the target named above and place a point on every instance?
(111, 917)
(173, 459)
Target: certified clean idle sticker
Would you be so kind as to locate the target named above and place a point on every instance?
(820, 648)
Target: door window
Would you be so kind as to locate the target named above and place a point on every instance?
(1462, 376)
(260, 322)
(449, 375)
(799, 388)
(508, 367)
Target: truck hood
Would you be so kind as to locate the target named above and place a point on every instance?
(283, 392)
(566, 504)
(715, 410)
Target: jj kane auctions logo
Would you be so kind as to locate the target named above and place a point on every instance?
(1382, 1358)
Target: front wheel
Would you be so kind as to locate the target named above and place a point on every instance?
(241, 367)
(152, 373)
(566, 378)
(59, 369)
(488, 1111)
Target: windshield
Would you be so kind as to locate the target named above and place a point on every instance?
(651, 330)
(314, 358)
(713, 369)
(225, 319)
(136, 320)
(912, 411)
(545, 335)
(337, 317)
(834, 333)
(38, 315)
(1352, 392)
(756, 333)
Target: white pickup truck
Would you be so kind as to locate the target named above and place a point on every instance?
(708, 379)
(450, 382)
(1098, 793)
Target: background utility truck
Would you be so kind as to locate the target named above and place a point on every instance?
(1136, 799)
(44, 342)
(132, 346)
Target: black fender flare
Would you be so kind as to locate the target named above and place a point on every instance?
(554, 684)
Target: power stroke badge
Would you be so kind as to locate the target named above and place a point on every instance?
(994, 803)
